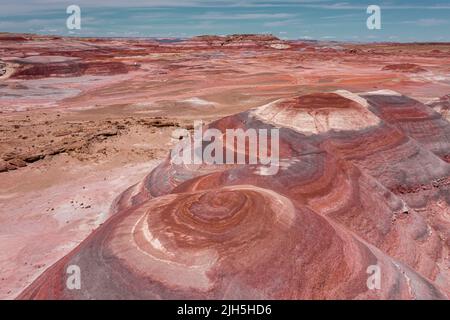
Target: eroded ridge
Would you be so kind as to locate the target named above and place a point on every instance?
(363, 181)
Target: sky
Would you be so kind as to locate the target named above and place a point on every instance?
(401, 21)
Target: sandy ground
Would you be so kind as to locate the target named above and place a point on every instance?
(52, 204)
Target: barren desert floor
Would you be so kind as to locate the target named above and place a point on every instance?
(366, 145)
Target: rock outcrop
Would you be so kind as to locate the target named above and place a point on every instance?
(363, 181)
(405, 67)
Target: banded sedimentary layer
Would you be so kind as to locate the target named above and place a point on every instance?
(363, 180)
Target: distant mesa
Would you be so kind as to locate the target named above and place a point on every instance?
(54, 66)
(20, 37)
(243, 40)
(13, 37)
(404, 67)
(237, 37)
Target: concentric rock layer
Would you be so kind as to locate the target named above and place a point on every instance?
(363, 182)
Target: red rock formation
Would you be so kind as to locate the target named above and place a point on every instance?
(374, 192)
(237, 39)
(442, 105)
(13, 37)
(71, 68)
(404, 67)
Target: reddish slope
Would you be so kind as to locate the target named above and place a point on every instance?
(345, 198)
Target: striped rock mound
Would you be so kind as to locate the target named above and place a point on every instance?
(363, 183)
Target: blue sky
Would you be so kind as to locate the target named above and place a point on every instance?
(401, 20)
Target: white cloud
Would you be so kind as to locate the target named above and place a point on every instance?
(281, 23)
(242, 16)
(426, 22)
(431, 22)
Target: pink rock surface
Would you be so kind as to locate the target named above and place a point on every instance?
(344, 199)
(82, 119)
